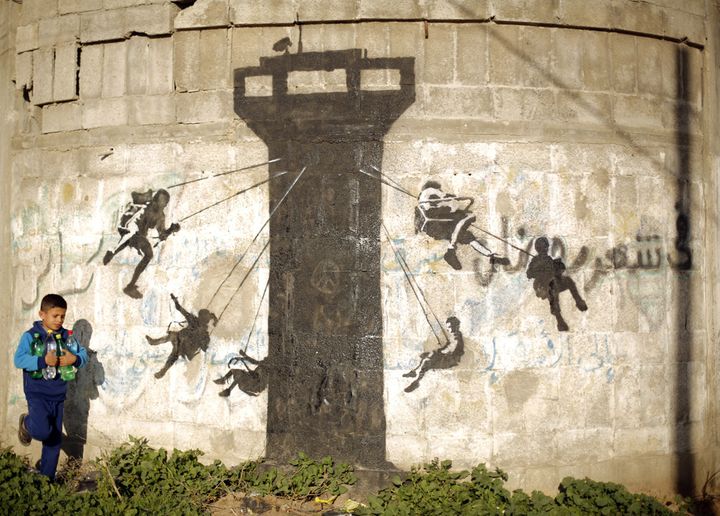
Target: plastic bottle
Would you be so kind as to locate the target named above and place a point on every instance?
(50, 372)
(37, 349)
(67, 372)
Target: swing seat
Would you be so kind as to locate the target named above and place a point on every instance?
(422, 218)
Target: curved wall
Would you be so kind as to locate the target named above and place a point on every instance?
(583, 126)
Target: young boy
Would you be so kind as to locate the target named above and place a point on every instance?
(46, 397)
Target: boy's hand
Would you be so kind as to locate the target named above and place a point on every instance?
(51, 359)
(67, 359)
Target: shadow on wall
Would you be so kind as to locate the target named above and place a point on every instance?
(325, 355)
(685, 472)
(79, 394)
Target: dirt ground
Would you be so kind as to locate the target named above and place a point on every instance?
(239, 503)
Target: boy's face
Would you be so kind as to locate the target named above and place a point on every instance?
(53, 319)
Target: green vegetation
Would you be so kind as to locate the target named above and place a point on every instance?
(136, 479)
(435, 489)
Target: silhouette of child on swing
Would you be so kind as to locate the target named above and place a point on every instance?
(446, 357)
(145, 212)
(445, 216)
(549, 281)
(251, 382)
(190, 340)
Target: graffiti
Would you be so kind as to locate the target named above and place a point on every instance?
(311, 321)
(30, 305)
(326, 277)
(146, 211)
(190, 340)
(251, 381)
(445, 216)
(65, 292)
(445, 357)
(549, 281)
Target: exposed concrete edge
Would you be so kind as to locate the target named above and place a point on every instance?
(457, 21)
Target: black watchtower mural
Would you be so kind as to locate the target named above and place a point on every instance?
(325, 359)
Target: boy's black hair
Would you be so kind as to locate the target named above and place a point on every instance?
(51, 301)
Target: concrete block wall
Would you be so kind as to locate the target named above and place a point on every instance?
(587, 126)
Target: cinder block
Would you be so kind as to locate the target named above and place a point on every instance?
(623, 56)
(61, 117)
(114, 68)
(152, 109)
(214, 70)
(649, 66)
(59, 30)
(26, 38)
(160, 66)
(405, 40)
(187, 60)
(523, 104)
(23, 70)
(463, 10)
(546, 11)
(585, 446)
(91, 71)
(595, 60)
(438, 60)
(636, 17)
(204, 106)
(459, 102)
(582, 107)
(65, 76)
(104, 112)
(512, 449)
(668, 69)
(536, 53)
(390, 10)
(251, 43)
(33, 10)
(43, 61)
(103, 26)
(503, 56)
(137, 65)
(567, 62)
(580, 12)
(153, 20)
(373, 38)
(639, 112)
(641, 395)
(684, 25)
(472, 54)
(78, 6)
(244, 12)
(318, 10)
(204, 14)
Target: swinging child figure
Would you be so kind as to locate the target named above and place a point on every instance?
(549, 280)
(190, 340)
(445, 357)
(145, 212)
(445, 216)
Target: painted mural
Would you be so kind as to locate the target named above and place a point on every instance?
(343, 287)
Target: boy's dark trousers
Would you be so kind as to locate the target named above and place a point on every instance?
(44, 422)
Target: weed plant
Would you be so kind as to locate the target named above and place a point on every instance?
(136, 479)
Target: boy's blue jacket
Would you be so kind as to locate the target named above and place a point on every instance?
(54, 389)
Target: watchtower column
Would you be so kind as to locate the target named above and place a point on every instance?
(325, 394)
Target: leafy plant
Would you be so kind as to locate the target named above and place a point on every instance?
(309, 479)
(436, 489)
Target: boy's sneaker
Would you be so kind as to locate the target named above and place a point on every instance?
(23, 435)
